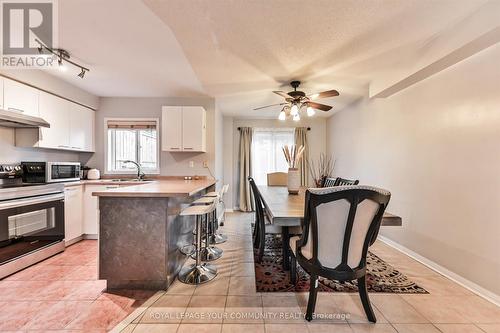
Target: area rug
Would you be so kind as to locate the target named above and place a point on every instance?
(381, 277)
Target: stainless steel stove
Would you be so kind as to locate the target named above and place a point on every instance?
(31, 220)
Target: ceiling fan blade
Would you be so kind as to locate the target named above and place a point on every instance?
(268, 106)
(318, 106)
(324, 94)
(282, 94)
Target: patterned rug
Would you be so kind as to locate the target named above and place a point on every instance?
(381, 277)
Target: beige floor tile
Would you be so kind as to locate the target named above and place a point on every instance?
(352, 306)
(458, 328)
(327, 309)
(437, 309)
(205, 310)
(243, 309)
(286, 328)
(179, 288)
(243, 328)
(373, 328)
(490, 328)
(283, 309)
(156, 328)
(411, 267)
(167, 309)
(199, 328)
(129, 329)
(242, 256)
(416, 328)
(328, 328)
(396, 310)
(240, 285)
(218, 286)
(439, 285)
(243, 269)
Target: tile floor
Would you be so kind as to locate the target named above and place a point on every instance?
(62, 293)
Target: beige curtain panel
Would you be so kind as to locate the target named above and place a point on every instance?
(245, 167)
(301, 140)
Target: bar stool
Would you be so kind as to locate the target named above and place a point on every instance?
(209, 252)
(198, 272)
(217, 238)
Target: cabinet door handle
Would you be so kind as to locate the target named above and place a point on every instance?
(188, 148)
(174, 148)
(76, 147)
(14, 109)
(63, 146)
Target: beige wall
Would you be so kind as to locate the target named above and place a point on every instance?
(175, 164)
(435, 147)
(316, 137)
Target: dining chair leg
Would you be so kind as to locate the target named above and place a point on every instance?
(293, 269)
(285, 238)
(313, 293)
(365, 300)
(262, 244)
(256, 236)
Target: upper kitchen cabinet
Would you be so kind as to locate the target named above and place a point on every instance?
(81, 124)
(55, 111)
(183, 129)
(71, 126)
(19, 97)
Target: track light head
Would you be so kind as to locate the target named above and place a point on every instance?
(82, 73)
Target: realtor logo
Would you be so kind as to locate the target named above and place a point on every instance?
(25, 25)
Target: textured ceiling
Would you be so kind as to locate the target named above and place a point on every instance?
(241, 50)
(238, 51)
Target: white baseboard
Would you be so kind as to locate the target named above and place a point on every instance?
(229, 210)
(90, 236)
(475, 288)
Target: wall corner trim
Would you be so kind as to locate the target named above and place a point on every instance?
(475, 288)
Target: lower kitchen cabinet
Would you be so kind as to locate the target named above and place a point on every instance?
(73, 213)
(91, 211)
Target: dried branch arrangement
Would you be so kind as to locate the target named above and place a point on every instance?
(293, 154)
(323, 169)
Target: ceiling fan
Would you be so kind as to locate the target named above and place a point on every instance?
(295, 100)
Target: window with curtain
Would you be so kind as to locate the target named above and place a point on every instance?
(134, 140)
(267, 155)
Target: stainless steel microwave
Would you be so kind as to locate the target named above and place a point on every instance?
(50, 172)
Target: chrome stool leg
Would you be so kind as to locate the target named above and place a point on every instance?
(216, 238)
(209, 252)
(198, 272)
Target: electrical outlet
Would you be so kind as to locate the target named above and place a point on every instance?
(205, 164)
(191, 164)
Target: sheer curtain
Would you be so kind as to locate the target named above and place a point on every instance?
(267, 155)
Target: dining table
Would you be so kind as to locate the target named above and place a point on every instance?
(287, 210)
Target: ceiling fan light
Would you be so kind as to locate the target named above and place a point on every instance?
(313, 96)
(282, 115)
(310, 111)
(296, 117)
(294, 110)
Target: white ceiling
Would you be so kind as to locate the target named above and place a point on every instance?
(238, 51)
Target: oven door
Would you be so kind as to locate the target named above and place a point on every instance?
(63, 172)
(30, 224)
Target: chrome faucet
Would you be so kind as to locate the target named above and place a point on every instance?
(140, 174)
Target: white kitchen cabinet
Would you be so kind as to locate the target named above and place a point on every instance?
(183, 129)
(171, 122)
(81, 125)
(73, 213)
(91, 209)
(71, 126)
(55, 111)
(20, 97)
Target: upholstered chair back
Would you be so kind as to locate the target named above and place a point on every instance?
(340, 223)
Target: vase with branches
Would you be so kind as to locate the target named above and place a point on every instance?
(321, 169)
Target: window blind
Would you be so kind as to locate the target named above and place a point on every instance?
(127, 124)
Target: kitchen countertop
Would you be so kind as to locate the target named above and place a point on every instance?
(157, 188)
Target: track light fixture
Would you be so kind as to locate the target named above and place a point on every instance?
(62, 57)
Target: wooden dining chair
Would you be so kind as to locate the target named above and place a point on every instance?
(329, 182)
(338, 227)
(262, 224)
(277, 179)
(345, 182)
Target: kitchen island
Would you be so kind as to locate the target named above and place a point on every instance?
(141, 232)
